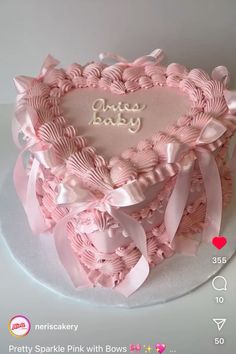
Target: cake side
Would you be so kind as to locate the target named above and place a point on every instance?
(107, 254)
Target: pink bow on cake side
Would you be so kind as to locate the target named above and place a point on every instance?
(25, 121)
(221, 73)
(23, 84)
(202, 153)
(73, 195)
(25, 183)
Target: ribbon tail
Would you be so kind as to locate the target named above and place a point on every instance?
(139, 273)
(49, 63)
(23, 83)
(66, 255)
(32, 207)
(16, 128)
(156, 56)
(20, 178)
(213, 190)
(135, 278)
(221, 73)
(230, 97)
(177, 201)
(111, 58)
(26, 190)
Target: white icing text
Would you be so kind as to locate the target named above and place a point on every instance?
(133, 123)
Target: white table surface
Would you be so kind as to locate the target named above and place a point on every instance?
(184, 325)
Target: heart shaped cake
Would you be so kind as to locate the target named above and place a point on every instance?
(126, 163)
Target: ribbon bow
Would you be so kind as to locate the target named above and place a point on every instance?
(135, 347)
(25, 121)
(71, 193)
(210, 133)
(156, 56)
(23, 84)
(230, 97)
(221, 73)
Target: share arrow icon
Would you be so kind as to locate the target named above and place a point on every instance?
(220, 322)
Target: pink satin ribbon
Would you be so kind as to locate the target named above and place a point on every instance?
(212, 131)
(178, 199)
(24, 83)
(213, 190)
(25, 186)
(156, 56)
(71, 193)
(230, 97)
(221, 73)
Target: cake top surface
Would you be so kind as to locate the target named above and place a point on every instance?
(122, 119)
(113, 123)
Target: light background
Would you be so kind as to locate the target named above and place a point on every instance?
(195, 33)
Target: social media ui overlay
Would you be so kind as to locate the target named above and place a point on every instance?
(220, 287)
(19, 326)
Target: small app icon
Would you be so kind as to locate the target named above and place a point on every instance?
(219, 283)
(219, 242)
(147, 348)
(220, 322)
(19, 326)
(135, 347)
(160, 347)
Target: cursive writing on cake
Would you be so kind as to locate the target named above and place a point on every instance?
(100, 106)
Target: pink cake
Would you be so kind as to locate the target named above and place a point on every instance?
(127, 163)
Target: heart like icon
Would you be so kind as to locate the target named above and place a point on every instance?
(160, 348)
(219, 242)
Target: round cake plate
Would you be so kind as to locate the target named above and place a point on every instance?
(173, 278)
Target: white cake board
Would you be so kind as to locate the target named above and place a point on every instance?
(173, 278)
